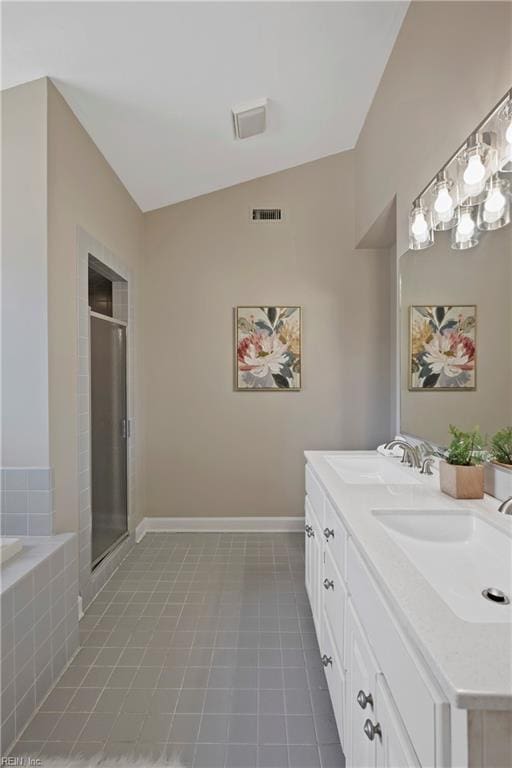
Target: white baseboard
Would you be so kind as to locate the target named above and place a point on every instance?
(219, 525)
(140, 530)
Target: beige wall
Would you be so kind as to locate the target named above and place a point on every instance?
(82, 190)
(213, 451)
(451, 63)
(480, 276)
(24, 277)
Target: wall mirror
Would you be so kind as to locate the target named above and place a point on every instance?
(456, 337)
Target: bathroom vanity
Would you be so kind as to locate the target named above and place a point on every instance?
(418, 662)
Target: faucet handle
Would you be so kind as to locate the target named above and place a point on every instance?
(426, 467)
(506, 506)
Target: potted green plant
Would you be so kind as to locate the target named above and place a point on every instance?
(501, 447)
(461, 472)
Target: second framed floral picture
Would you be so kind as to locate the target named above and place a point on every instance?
(268, 352)
(442, 348)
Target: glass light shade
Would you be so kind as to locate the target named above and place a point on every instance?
(421, 232)
(494, 212)
(444, 203)
(465, 234)
(505, 138)
(476, 165)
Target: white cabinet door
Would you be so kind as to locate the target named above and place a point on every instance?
(308, 547)
(314, 565)
(361, 675)
(335, 676)
(393, 746)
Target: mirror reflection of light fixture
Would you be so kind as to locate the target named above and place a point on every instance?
(474, 159)
(421, 233)
(445, 203)
(494, 211)
(465, 234)
(505, 131)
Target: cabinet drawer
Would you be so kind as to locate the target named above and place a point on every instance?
(315, 494)
(335, 676)
(335, 537)
(335, 601)
(424, 711)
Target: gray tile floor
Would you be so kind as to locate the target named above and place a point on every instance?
(201, 646)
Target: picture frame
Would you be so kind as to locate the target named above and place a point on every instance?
(442, 353)
(268, 348)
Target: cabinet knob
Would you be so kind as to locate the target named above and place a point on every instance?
(364, 699)
(328, 584)
(372, 730)
(310, 533)
(326, 660)
(307, 528)
(328, 532)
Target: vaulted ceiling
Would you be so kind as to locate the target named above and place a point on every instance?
(153, 83)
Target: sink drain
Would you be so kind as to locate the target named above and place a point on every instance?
(495, 596)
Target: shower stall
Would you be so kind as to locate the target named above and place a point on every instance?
(109, 432)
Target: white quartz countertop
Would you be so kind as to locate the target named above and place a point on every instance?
(471, 661)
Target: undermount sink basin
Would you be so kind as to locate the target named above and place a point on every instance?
(460, 555)
(371, 470)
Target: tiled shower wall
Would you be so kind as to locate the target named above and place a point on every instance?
(122, 299)
(26, 507)
(39, 617)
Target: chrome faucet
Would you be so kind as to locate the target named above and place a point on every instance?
(506, 506)
(410, 454)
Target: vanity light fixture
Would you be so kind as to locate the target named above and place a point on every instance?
(505, 132)
(470, 194)
(465, 234)
(494, 212)
(444, 203)
(421, 233)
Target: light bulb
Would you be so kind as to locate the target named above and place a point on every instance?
(419, 227)
(444, 205)
(494, 205)
(465, 227)
(475, 170)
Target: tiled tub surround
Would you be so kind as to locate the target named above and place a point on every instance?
(39, 620)
(201, 646)
(26, 503)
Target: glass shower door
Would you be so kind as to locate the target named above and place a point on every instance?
(109, 495)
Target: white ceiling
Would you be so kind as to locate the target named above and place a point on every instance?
(154, 83)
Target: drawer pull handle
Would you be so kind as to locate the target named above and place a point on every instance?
(363, 699)
(328, 583)
(326, 660)
(328, 532)
(372, 730)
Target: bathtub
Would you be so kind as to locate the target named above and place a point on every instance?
(39, 617)
(9, 546)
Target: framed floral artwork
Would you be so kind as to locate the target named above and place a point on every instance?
(442, 348)
(268, 352)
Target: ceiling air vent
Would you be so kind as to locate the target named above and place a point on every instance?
(266, 214)
(250, 119)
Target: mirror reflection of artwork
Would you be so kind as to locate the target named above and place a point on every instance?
(268, 348)
(442, 348)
